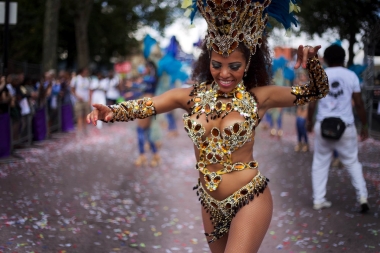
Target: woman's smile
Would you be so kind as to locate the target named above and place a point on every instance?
(227, 71)
(226, 84)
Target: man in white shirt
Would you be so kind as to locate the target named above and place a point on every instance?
(113, 91)
(344, 87)
(80, 88)
(98, 87)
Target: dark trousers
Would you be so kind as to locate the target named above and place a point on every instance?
(301, 129)
(143, 135)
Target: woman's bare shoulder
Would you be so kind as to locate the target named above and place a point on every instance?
(183, 92)
(182, 95)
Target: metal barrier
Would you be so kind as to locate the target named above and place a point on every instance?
(40, 124)
(36, 127)
(5, 137)
(372, 101)
(24, 135)
(55, 118)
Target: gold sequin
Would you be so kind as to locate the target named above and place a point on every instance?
(133, 109)
(233, 21)
(316, 88)
(219, 145)
(222, 212)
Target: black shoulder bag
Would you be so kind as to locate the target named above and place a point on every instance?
(332, 128)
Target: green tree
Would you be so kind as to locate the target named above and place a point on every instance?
(26, 37)
(110, 25)
(348, 18)
(50, 34)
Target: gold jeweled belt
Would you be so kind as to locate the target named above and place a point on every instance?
(213, 179)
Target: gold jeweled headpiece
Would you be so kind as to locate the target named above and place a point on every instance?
(231, 22)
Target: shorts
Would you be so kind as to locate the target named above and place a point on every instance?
(81, 109)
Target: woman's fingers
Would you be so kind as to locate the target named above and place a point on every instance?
(304, 53)
(108, 117)
(93, 116)
(316, 48)
(88, 118)
(299, 57)
(100, 112)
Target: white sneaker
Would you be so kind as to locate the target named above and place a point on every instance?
(363, 205)
(363, 200)
(325, 204)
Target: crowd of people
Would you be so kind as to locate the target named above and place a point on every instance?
(21, 97)
(69, 97)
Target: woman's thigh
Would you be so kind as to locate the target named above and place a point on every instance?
(250, 225)
(219, 245)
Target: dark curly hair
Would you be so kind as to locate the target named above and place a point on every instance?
(258, 73)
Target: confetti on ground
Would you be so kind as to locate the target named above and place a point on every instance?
(83, 194)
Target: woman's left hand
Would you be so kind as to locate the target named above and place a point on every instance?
(304, 53)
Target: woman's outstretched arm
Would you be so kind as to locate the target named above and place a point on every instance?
(317, 87)
(141, 108)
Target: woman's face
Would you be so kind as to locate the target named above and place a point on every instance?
(227, 71)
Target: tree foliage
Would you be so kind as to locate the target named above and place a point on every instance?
(110, 28)
(348, 18)
(26, 37)
(49, 54)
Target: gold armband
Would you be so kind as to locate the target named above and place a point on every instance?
(316, 88)
(133, 109)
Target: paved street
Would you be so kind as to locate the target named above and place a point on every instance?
(83, 194)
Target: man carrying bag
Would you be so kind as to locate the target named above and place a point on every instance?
(335, 129)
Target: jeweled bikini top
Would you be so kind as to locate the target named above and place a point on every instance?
(220, 144)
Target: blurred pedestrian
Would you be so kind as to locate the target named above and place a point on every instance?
(65, 91)
(148, 83)
(15, 110)
(53, 87)
(335, 129)
(81, 91)
(5, 96)
(19, 106)
(113, 90)
(301, 118)
(98, 89)
(274, 115)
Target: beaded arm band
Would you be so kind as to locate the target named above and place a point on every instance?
(133, 109)
(316, 88)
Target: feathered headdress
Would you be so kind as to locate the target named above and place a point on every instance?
(231, 22)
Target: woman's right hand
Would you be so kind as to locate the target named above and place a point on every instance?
(101, 112)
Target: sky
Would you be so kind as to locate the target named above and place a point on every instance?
(187, 36)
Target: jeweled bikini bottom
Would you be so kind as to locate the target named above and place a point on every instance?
(222, 212)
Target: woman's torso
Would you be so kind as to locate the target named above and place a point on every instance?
(302, 111)
(225, 139)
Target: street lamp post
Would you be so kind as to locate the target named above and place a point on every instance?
(6, 37)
